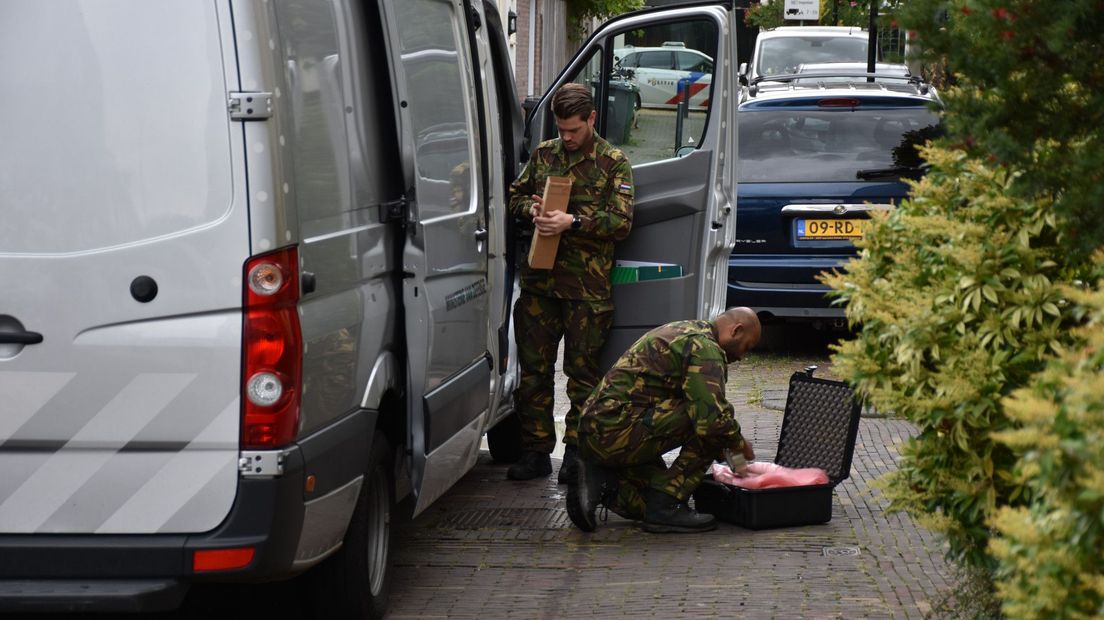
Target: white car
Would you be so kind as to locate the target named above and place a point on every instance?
(658, 72)
(783, 50)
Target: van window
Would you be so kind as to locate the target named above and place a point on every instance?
(112, 134)
(658, 96)
(442, 107)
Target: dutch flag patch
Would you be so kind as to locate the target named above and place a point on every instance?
(624, 187)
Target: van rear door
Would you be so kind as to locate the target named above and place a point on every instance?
(673, 264)
(124, 234)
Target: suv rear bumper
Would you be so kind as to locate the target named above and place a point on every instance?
(784, 287)
(63, 572)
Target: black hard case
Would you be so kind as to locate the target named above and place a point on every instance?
(819, 428)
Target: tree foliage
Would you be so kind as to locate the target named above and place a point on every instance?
(580, 13)
(972, 323)
(1029, 95)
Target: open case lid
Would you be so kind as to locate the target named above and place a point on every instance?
(819, 426)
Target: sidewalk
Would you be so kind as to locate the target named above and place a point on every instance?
(492, 548)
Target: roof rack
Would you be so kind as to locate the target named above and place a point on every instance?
(812, 76)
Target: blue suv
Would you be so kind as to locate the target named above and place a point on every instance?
(818, 152)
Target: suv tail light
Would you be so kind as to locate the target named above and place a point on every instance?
(839, 102)
(272, 350)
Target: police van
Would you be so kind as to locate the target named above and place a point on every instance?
(257, 272)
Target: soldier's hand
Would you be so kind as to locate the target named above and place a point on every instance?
(537, 206)
(553, 224)
(749, 453)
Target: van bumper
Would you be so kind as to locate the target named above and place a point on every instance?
(98, 596)
(143, 573)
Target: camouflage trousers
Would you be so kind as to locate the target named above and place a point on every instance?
(539, 325)
(635, 449)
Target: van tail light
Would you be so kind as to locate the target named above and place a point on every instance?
(272, 350)
(208, 560)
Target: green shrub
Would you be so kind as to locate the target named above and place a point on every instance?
(957, 297)
(1051, 554)
(967, 295)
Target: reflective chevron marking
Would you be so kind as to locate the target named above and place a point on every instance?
(66, 471)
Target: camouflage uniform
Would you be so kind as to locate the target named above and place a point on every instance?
(666, 392)
(572, 300)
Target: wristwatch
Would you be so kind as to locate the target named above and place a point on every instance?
(576, 222)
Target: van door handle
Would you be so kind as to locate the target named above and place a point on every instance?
(20, 337)
(480, 234)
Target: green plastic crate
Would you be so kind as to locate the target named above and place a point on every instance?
(625, 271)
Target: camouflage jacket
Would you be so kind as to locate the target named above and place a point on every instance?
(601, 195)
(677, 365)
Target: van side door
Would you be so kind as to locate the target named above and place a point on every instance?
(445, 280)
(673, 264)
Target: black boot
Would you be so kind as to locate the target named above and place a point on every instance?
(591, 487)
(530, 465)
(569, 468)
(664, 513)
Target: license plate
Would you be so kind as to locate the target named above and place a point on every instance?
(829, 229)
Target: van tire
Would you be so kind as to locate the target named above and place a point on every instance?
(504, 439)
(356, 581)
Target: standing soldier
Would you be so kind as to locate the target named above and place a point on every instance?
(571, 301)
(666, 392)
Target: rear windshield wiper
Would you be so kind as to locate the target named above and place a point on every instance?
(912, 172)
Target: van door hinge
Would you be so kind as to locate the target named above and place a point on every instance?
(250, 106)
(394, 210)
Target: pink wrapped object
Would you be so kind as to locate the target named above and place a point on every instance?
(768, 475)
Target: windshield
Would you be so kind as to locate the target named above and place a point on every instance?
(785, 54)
(780, 146)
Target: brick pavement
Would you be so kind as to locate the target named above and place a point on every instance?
(491, 548)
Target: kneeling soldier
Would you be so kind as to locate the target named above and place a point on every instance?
(666, 392)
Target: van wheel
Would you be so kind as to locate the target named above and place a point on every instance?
(504, 440)
(355, 582)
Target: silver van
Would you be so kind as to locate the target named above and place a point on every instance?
(257, 272)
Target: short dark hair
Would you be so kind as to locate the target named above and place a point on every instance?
(572, 100)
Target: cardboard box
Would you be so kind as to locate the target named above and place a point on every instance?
(819, 428)
(542, 251)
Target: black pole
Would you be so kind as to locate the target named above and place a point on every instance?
(872, 52)
(835, 12)
(680, 110)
